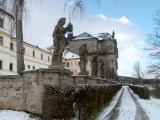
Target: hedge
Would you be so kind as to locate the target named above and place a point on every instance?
(141, 91)
(80, 102)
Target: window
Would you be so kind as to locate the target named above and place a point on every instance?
(11, 66)
(0, 64)
(67, 64)
(1, 40)
(11, 46)
(33, 53)
(33, 67)
(1, 22)
(48, 59)
(29, 66)
(41, 56)
(24, 51)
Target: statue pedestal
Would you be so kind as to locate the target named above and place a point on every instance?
(81, 79)
(84, 73)
(62, 75)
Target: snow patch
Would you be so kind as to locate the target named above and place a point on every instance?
(14, 115)
(70, 55)
(151, 107)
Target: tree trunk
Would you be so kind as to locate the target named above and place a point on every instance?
(19, 36)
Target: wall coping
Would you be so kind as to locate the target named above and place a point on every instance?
(10, 77)
(48, 70)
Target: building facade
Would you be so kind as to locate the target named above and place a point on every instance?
(34, 57)
(102, 45)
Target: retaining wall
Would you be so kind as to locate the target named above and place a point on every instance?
(25, 93)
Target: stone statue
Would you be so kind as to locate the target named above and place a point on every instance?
(101, 69)
(60, 41)
(94, 66)
(83, 52)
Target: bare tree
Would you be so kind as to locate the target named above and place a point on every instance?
(138, 71)
(154, 47)
(78, 6)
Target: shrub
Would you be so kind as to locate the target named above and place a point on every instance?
(141, 91)
(81, 102)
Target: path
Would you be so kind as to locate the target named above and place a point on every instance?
(128, 108)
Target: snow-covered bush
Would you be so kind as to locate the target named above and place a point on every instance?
(141, 91)
(81, 102)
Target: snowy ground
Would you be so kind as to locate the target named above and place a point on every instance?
(151, 107)
(13, 115)
(127, 108)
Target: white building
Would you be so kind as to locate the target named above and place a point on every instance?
(34, 57)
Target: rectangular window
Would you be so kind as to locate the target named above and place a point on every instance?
(33, 67)
(11, 66)
(24, 67)
(1, 64)
(67, 64)
(1, 22)
(11, 46)
(33, 53)
(29, 67)
(41, 56)
(48, 59)
(1, 40)
(24, 50)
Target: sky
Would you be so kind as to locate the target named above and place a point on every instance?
(132, 21)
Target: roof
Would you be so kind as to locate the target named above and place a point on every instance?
(84, 35)
(70, 55)
(1, 10)
(36, 47)
(103, 36)
(99, 36)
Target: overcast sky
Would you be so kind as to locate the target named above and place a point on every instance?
(131, 21)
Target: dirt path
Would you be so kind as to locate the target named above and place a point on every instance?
(128, 108)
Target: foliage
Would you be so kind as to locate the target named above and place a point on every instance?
(154, 47)
(80, 102)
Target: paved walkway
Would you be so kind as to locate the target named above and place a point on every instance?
(128, 108)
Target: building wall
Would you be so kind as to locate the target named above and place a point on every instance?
(106, 50)
(73, 65)
(8, 56)
(74, 45)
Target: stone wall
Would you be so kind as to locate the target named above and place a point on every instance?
(11, 93)
(26, 92)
